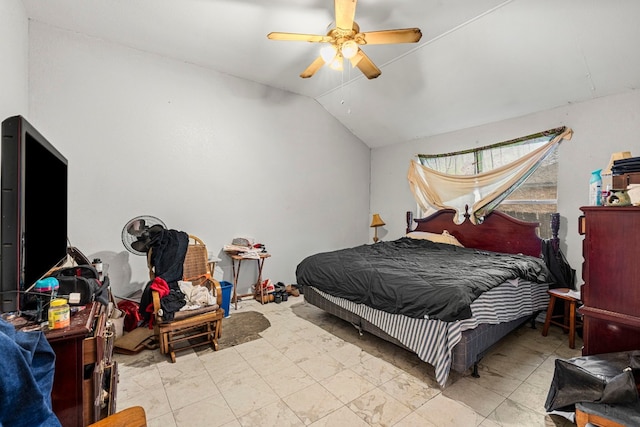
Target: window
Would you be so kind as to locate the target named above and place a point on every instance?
(532, 197)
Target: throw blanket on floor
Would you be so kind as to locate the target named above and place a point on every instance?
(416, 278)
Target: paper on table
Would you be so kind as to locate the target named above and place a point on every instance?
(575, 294)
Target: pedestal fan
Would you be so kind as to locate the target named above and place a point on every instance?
(137, 233)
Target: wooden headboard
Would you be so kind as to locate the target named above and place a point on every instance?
(498, 232)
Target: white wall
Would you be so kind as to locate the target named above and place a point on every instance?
(221, 157)
(209, 154)
(601, 127)
(13, 51)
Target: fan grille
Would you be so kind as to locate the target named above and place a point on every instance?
(135, 230)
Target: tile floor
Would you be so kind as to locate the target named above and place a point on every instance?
(301, 373)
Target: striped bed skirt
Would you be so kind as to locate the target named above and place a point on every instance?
(508, 305)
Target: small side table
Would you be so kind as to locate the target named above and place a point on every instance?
(212, 264)
(236, 262)
(569, 322)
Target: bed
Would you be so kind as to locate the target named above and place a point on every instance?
(453, 318)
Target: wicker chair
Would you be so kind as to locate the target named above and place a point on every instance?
(190, 328)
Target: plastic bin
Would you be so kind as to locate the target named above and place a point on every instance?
(226, 297)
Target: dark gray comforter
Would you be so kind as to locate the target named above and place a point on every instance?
(416, 278)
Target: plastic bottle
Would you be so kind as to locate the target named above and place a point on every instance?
(59, 314)
(595, 188)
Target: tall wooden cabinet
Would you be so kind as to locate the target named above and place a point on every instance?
(611, 273)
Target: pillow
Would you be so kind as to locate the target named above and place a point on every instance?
(445, 237)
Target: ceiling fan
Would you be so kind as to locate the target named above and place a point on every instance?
(344, 41)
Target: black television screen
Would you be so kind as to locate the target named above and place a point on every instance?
(34, 209)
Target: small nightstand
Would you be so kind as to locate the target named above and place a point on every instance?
(236, 262)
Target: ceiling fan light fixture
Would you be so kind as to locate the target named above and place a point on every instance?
(337, 63)
(344, 41)
(349, 49)
(328, 53)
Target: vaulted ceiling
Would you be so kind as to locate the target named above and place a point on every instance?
(478, 61)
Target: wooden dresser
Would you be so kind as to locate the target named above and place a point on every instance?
(611, 273)
(85, 379)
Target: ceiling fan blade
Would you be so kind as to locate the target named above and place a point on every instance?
(368, 68)
(345, 13)
(315, 38)
(405, 35)
(311, 69)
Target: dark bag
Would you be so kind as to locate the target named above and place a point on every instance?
(82, 279)
(599, 378)
(564, 275)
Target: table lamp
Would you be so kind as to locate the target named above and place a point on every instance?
(376, 222)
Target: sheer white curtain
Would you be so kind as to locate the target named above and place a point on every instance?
(505, 167)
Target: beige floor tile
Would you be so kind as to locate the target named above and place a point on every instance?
(137, 381)
(186, 391)
(343, 417)
(323, 373)
(513, 414)
(444, 412)
(166, 420)
(349, 355)
(376, 370)
(321, 366)
(531, 396)
(286, 380)
(209, 412)
(228, 367)
(543, 375)
(179, 371)
(469, 392)
(301, 350)
(153, 400)
(277, 414)
(565, 352)
(328, 342)
(312, 403)
(256, 349)
(379, 408)
(414, 420)
(346, 385)
(410, 390)
(489, 423)
(498, 382)
(513, 360)
(247, 394)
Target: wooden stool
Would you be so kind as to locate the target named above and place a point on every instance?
(569, 322)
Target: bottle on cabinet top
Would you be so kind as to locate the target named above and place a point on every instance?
(595, 188)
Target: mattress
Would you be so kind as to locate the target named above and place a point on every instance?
(416, 278)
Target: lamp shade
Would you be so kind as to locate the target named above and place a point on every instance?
(376, 221)
(349, 49)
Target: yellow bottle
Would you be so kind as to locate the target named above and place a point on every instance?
(59, 314)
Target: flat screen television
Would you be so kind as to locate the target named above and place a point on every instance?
(34, 210)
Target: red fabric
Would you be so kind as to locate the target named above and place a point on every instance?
(131, 314)
(161, 286)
